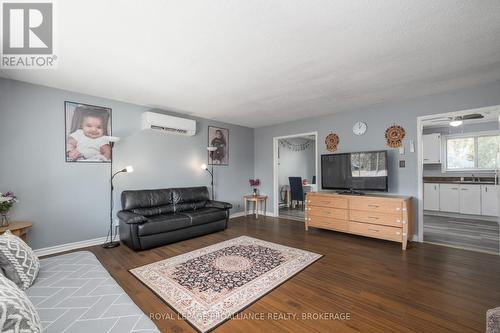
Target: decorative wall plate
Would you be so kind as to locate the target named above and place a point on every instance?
(332, 140)
(394, 136)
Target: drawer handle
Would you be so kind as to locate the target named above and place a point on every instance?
(376, 230)
(373, 205)
(325, 202)
(373, 217)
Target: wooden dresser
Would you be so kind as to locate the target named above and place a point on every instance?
(379, 216)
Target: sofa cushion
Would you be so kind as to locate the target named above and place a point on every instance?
(165, 209)
(189, 198)
(17, 313)
(18, 262)
(205, 215)
(163, 223)
(146, 199)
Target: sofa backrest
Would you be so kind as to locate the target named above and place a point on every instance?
(189, 198)
(148, 202)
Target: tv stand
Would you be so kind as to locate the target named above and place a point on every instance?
(388, 217)
(351, 192)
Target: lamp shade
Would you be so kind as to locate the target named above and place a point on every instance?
(203, 166)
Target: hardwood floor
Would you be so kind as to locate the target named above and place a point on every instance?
(427, 288)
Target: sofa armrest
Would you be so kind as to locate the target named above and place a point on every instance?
(218, 204)
(130, 218)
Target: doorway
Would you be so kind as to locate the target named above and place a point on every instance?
(295, 173)
(458, 179)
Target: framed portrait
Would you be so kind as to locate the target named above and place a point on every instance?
(219, 138)
(87, 128)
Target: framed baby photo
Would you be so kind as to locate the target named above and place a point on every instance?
(218, 138)
(87, 128)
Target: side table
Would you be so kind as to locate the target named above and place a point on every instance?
(18, 228)
(257, 200)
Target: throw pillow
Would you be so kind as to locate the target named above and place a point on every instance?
(17, 313)
(18, 261)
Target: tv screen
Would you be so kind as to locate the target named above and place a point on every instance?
(355, 171)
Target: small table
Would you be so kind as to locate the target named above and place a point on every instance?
(19, 228)
(257, 199)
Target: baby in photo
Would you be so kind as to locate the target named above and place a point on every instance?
(89, 141)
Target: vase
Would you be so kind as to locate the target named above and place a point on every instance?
(4, 220)
(255, 192)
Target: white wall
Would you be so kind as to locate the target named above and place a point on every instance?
(296, 163)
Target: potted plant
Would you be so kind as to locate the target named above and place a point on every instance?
(254, 183)
(7, 200)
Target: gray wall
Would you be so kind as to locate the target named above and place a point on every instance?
(296, 163)
(434, 170)
(378, 118)
(69, 202)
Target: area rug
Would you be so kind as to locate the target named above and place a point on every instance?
(212, 284)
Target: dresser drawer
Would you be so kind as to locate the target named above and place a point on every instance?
(328, 223)
(377, 231)
(376, 218)
(326, 201)
(337, 213)
(375, 204)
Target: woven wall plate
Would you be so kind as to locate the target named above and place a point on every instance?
(332, 140)
(394, 136)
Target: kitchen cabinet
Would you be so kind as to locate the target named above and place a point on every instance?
(470, 199)
(449, 198)
(431, 196)
(431, 148)
(489, 200)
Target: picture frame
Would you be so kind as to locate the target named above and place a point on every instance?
(218, 137)
(87, 129)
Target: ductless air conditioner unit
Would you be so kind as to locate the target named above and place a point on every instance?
(168, 124)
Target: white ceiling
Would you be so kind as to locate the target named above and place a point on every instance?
(262, 62)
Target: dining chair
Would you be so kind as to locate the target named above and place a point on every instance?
(296, 190)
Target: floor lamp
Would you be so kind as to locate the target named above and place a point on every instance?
(112, 243)
(210, 149)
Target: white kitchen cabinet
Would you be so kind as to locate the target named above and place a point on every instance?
(470, 199)
(431, 148)
(449, 198)
(431, 196)
(489, 200)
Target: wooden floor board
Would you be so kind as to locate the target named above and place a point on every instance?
(428, 288)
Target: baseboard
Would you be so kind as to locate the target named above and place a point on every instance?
(240, 214)
(237, 214)
(69, 246)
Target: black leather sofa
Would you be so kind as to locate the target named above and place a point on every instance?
(151, 218)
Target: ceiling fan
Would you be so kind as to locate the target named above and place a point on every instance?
(457, 120)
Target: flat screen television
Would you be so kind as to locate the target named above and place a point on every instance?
(352, 172)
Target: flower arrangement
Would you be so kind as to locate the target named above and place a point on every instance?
(254, 183)
(7, 200)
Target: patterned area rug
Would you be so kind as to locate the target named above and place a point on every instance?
(209, 285)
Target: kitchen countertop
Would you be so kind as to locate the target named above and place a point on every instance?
(460, 180)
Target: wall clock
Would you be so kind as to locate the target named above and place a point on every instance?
(359, 128)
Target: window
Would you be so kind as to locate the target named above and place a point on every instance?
(471, 152)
